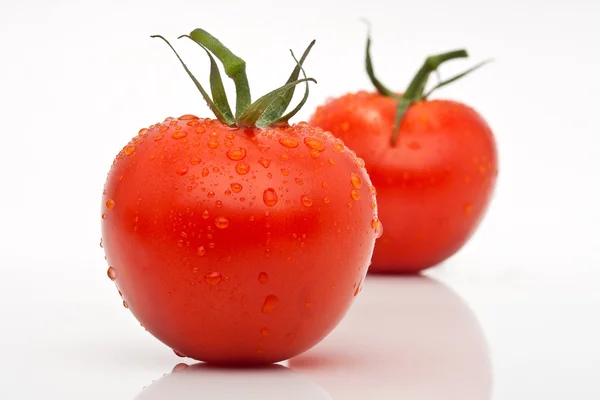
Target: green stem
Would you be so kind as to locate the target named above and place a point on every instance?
(235, 67)
(416, 88)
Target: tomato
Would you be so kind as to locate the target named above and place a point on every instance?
(237, 245)
(434, 183)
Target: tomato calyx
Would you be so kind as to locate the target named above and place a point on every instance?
(268, 110)
(416, 89)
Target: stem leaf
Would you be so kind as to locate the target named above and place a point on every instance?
(456, 77)
(277, 108)
(217, 89)
(205, 95)
(257, 109)
(234, 66)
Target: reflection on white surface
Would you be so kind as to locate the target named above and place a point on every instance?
(274, 382)
(405, 338)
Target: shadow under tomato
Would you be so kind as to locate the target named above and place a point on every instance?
(205, 381)
(405, 337)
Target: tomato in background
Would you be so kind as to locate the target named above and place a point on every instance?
(433, 163)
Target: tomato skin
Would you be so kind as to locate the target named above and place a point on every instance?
(211, 263)
(433, 186)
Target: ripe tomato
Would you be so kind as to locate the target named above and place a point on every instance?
(433, 184)
(237, 245)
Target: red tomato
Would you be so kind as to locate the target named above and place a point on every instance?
(433, 185)
(238, 246)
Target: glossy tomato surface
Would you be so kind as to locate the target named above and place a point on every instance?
(433, 186)
(238, 246)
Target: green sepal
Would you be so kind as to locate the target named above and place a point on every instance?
(456, 77)
(276, 109)
(299, 106)
(220, 116)
(234, 66)
(257, 109)
(371, 73)
(219, 96)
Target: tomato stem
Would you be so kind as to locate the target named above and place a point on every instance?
(267, 110)
(416, 89)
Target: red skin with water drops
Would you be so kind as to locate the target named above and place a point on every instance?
(433, 186)
(238, 246)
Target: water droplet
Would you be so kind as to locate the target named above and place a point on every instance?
(195, 160)
(182, 171)
(373, 205)
(187, 117)
(125, 304)
(267, 253)
(326, 200)
(158, 138)
(356, 181)
(265, 162)
(180, 134)
(181, 366)
(306, 200)
(324, 184)
(195, 270)
(103, 215)
(228, 143)
(230, 136)
(211, 245)
(285, 172)
(263, 277)
(252, 218)
(288, 142)
(236, 154)
(339, 145)
(215, 169)
(201, 251)
(361, 162)
(102, 245)
(210, 194)
(264, 332)
(213, 278)
(214, 134)
(143, 132)
(315, 153)
(112, 274)
(307, 304)
(221, 222)
(205, 171)
(314, 143)
(205, 214)
(129, 149)
(218, 204)
(355, 194)
(378, 226)
(269, 304)
(200, 129)
(213, 144)
(178, 354)
(227, 192)
(236, 187)
(331, 161)
(270, 197)
(242, 168)
(414, 145)
(298, 181)
(110, 204)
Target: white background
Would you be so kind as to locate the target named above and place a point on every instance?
(78, 79)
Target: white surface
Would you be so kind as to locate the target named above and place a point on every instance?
(78, 79)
